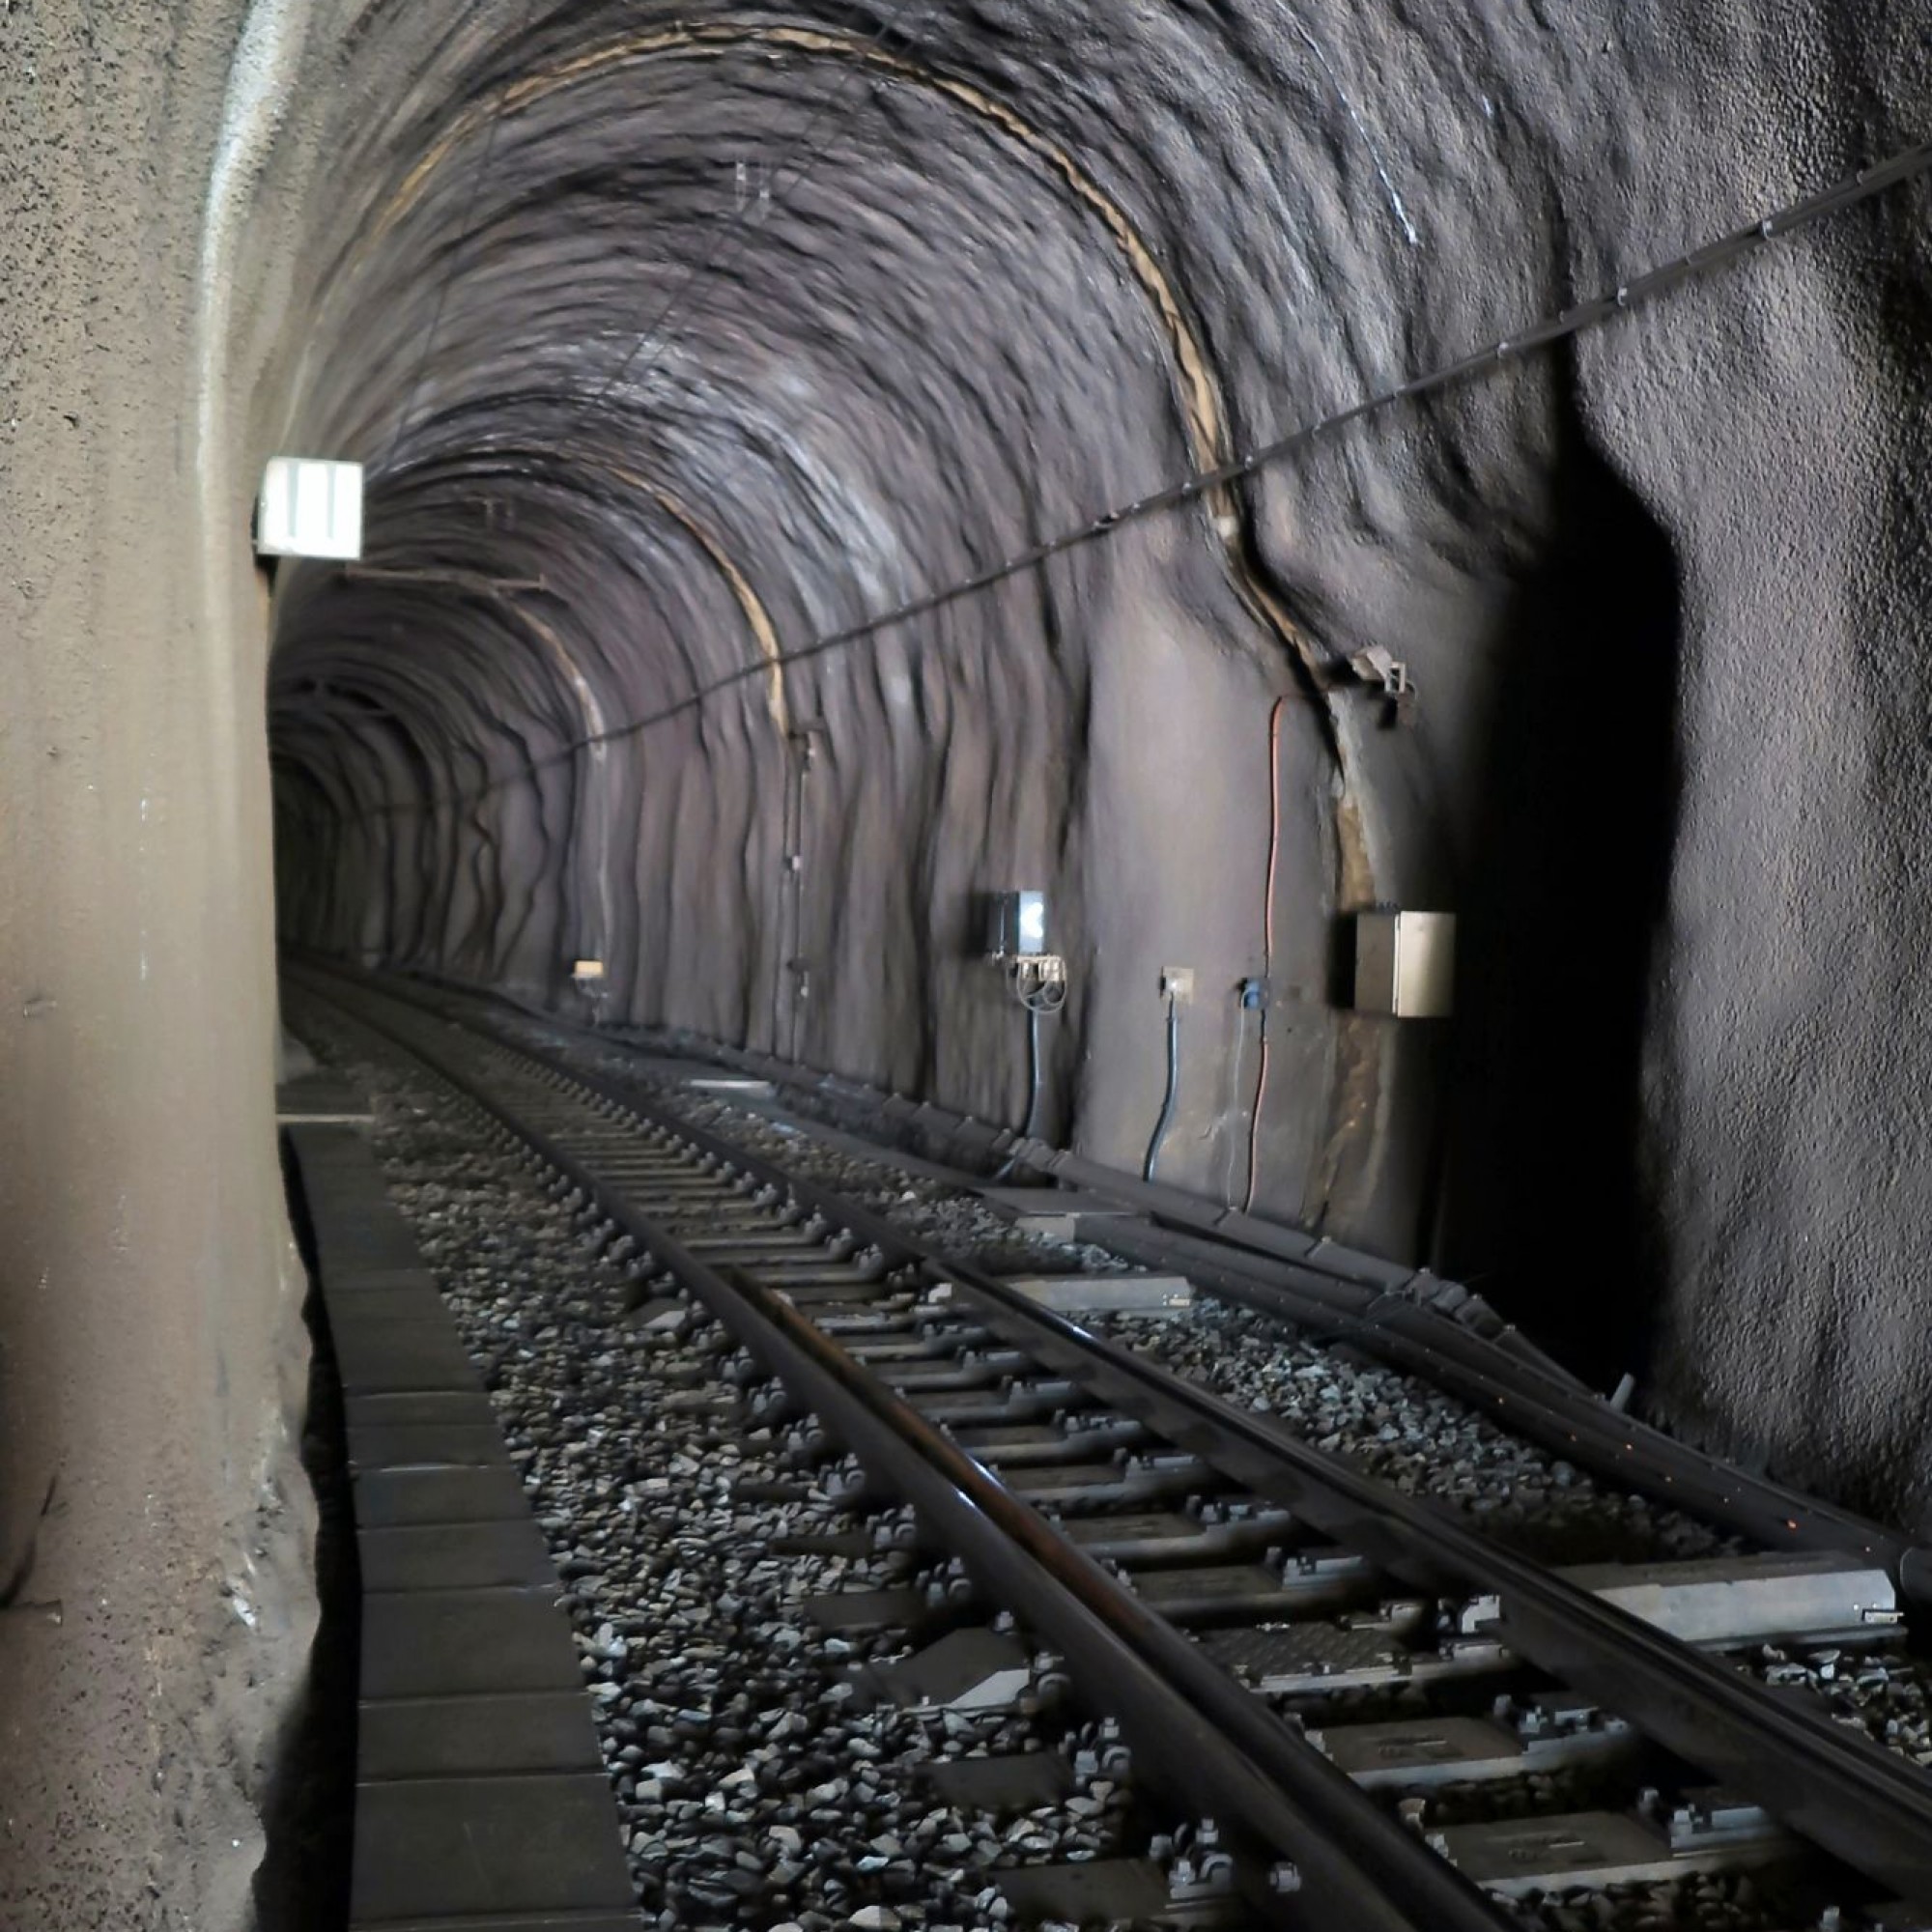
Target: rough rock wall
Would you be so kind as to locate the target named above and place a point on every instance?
(155, 1599)
(735, 327)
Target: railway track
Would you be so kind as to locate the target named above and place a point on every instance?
(1415, 1322)
(1305, 1655)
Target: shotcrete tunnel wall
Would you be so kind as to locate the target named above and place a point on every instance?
(738, 328)
(735, 327)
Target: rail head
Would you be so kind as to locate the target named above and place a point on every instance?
(1322, 1286)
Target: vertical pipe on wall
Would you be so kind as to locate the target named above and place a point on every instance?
(1268, 950)
(1166, 1121)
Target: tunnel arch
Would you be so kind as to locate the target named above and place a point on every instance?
(931, 358)
(1029, 282)
(637, 457)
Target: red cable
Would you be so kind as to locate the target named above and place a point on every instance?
(1267, 943)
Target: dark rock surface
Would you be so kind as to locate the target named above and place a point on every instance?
(1662, 592)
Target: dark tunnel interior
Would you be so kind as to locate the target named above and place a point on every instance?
(1569, 909)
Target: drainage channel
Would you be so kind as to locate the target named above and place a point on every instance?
(1261, 1620)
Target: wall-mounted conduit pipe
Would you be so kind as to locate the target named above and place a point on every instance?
(1040, 1002)
(1033, 1073)
(1166, 1121)
(1267, 952)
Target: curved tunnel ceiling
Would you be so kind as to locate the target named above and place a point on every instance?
(745, 303)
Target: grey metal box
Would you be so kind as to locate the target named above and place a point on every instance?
(1405, 964)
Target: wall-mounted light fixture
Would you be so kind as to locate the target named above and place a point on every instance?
(1016, 925)
(309, 508)
(1016, 940)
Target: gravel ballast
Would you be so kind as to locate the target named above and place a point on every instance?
(757, 1783)
(1390, 1425)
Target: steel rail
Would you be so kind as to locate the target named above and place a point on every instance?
(1516, 1395)
(1347, 1294)
(1863, 1803)
(1350, 1866)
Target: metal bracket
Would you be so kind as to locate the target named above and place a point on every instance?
(1390, 676)
(1030, 971)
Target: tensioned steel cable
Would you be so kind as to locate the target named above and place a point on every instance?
(1905, 165)
(692, 276)
(659, 326)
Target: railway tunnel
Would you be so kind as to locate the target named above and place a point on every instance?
(829, 466)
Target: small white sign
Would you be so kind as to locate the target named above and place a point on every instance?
(310, 508)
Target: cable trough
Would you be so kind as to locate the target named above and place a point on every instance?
(1244, 1604)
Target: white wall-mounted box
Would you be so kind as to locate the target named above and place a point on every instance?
(1405, 964)
(309, 508)
(1016, 925)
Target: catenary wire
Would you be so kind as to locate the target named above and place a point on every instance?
(477, 180)
(660, 324)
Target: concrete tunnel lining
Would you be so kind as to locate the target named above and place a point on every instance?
(1669, 581)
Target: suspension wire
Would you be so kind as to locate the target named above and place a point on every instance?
(1867, 182)
(659, 325)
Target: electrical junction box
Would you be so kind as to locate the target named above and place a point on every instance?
(309, 508)
(1016, 925)
(1405, 964)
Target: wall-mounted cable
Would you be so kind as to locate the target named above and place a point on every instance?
(1041, 999)
(1268, 950)
(1168, 1098)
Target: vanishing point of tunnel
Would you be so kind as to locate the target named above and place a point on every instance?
(826, 466)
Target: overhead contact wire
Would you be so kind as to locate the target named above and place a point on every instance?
(659, 325)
